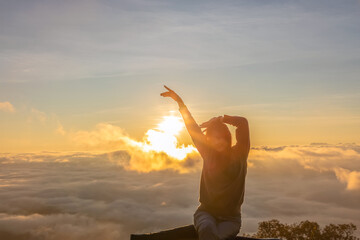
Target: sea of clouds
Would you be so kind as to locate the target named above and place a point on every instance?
(100, 195)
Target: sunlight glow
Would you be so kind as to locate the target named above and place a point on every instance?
(163, 139)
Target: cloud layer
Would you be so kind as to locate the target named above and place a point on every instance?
(93, 195)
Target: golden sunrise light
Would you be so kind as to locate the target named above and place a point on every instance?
(163, 138)
(124, 117)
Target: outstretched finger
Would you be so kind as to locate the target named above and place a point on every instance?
(167, 88)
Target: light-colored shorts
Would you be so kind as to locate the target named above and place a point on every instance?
(209, 227)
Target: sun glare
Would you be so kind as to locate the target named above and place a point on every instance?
(170, 125)
(163, 138)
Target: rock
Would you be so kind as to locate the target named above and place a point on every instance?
(187, 232)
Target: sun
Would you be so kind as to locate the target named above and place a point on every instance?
(170, 125)
(163, 138)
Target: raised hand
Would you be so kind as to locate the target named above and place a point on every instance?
(214, 119)
(172, 94)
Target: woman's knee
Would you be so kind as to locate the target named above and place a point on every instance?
(207, 231)
(227, 230)
(205, 226)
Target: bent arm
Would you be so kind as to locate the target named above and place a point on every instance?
(193, 128)
(242, 146)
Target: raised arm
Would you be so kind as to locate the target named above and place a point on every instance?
(197, 136)
(242, 146)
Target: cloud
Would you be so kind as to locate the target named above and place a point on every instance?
(7, 107)
(158, 150)
(94, 194)
(47, 120)
(60, 129)
(168, 36)
(317, 182)
(321, 157)
(351, 178)
(335, 158)
(72, 192)
(38, 115)
(60, 226)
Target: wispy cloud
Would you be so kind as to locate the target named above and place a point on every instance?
(38, 115)
(7, 107)
(208, 35)
(60, 129)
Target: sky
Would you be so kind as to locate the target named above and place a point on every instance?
(290, 67)
(80, 107)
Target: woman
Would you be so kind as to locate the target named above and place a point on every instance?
(222, 184)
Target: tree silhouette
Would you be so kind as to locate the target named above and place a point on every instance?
(340, 231)
(305, 230)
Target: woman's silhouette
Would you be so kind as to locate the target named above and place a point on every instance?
(222, 184)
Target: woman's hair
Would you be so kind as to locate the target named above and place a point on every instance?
(220, 128)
